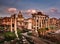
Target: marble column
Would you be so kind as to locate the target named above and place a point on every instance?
(15, 26)
(11, 25)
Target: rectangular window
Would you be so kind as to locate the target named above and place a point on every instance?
(37, 20)
(12, 25)
(37, 27)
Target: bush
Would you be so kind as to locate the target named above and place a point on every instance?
(25, 30)
(2, 38)
(29, 33)
(9, 36)
(19, 33)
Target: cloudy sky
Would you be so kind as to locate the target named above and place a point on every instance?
(50, 7)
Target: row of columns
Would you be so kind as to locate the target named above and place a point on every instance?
(15, 24)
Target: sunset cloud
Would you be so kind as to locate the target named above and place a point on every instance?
(11, 10)
(29, 11)
(53, 10)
